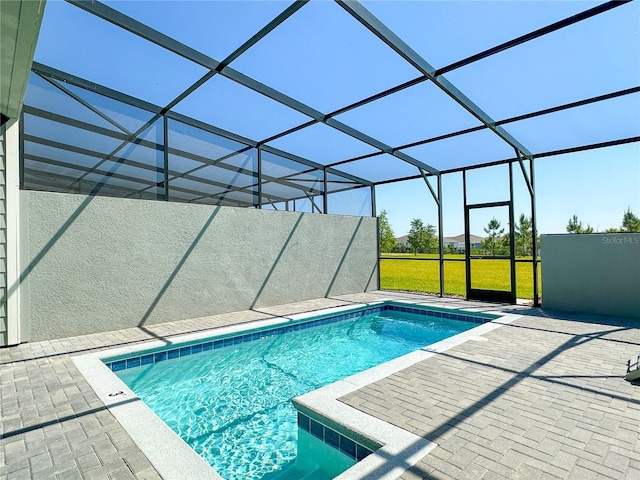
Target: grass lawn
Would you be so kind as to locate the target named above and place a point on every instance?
(424, 276)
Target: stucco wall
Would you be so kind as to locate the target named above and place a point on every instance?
(597, 273)
(98, 263)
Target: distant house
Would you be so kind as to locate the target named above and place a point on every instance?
(457, 242)
(403, 240)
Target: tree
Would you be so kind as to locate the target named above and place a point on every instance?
(630, 223)
(575, 226)
(523, 236)
(491, 244)
(387, 238)
(421, 237)
(450, 248)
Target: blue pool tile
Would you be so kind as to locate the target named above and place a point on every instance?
(255, 336)
(146, 360)
(184, 351)
(119, 365)
(348, 446)
(430, 313)
(160, 356)
(438, 314)
(237, 340)
(228, 342)
(171, 354)
(218, 344)
(288, 328)
(332, 438)
(296, 327)
(362, 452)
(207, 346)
(303, 422)
(317, 429)
(246, 338)
(196, 348)
(133, 362)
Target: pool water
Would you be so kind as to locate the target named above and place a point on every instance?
(233, 405)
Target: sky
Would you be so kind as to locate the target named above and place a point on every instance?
(322, 57)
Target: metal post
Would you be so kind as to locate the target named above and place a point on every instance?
(21, 150)
(374, 213)
(467, 243)
(440, 235)
(325, 201)
(166, 157)
(259, 177)
(512, 238)
(534, 234)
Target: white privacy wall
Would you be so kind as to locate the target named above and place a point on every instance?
(99, 263)
(594, 273)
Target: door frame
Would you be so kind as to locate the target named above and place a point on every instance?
(482, 294)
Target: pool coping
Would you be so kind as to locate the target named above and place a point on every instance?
(173, 458)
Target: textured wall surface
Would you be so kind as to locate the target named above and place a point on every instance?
(598, 273)
(99, 263)
(3, 245)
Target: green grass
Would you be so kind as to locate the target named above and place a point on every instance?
(424, 276)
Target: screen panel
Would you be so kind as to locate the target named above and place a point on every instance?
(101, 52)
(415, 113)
(228, 105)
(594, 57)
(322, 144)
(333, 61)
(464, 150)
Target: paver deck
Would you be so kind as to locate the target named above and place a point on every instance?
(542, 397)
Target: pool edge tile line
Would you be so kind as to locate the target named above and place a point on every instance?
(301, 322)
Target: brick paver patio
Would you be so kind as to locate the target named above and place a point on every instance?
(540, 398)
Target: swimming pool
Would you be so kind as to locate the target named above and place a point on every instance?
(239, 388)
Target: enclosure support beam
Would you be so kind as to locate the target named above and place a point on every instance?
(524, 172)
(512, 237)
(165, 124)
(259, 173)
(374, 213)
(86, 104)
(438, 199)
(441, 235)
(467, 233)
(534, 237)
(375, 26)
(325, 200)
